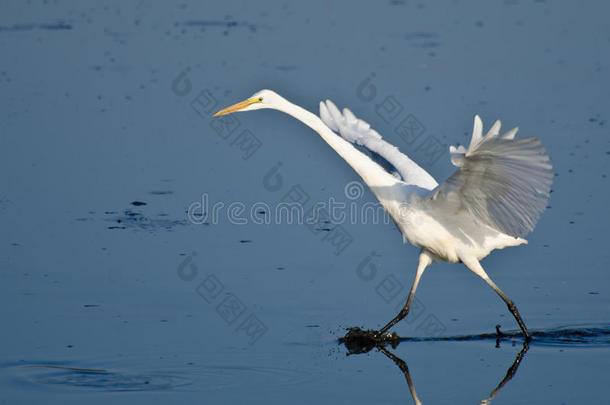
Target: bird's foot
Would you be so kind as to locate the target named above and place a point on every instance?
(358, 340)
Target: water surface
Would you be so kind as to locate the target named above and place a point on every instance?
(110, 291)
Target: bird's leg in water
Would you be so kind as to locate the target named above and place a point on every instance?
(512, 308)
(474, 265)
(424, 260)
(403, 312)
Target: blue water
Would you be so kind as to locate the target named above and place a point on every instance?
(113, 289)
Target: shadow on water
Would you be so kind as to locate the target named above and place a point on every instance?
(358, 341)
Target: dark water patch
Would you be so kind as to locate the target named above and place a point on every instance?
(226, 24)
(3, 204)
(161, 192)
(60, 26)
(597, 119)
(420, 35)
(287, 68)
(132, 219)
(138, 203)
(423, 39)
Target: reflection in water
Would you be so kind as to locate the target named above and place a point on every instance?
(357, 341)
(405, 370)
(512, 370)
(362, 341)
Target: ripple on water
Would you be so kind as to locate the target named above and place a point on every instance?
(567, 336)
(97, 379)
(589, 336)
(189, 377)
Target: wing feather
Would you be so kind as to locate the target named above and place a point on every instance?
(360, 133)
(501, 181)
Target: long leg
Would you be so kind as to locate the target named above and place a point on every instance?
(474, 265)
(424, 260)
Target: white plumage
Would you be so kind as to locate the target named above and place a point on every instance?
(502, 182)
(492, 201)
(360, 132)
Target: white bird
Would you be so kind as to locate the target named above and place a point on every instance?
(492, 201)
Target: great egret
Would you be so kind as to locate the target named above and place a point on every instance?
(494, 198)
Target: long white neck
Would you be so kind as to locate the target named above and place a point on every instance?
(372, 174)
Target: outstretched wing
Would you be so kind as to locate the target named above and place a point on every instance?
(501, 181)
(388, 156)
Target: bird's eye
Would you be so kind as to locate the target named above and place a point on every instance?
(260, 99)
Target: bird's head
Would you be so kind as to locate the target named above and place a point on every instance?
(260, 99)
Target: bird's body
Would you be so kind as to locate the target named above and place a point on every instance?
(450, 237)
(494, 198)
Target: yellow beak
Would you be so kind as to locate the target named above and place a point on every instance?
(237, 107)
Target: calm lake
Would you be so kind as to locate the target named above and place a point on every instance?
(141, 257)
